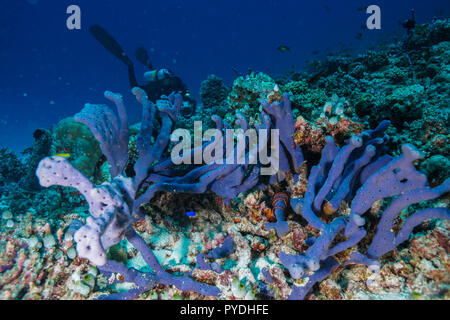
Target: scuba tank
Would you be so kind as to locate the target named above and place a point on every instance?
(157, 74)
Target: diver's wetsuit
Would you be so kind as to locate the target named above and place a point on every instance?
(154, 89)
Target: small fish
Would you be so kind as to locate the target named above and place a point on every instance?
(315, 63)
(283, 48)
(316, 76)
(64, 155)
(359, 36)
(363, 8)
(327, 8)
(236, 72)
(191, 214)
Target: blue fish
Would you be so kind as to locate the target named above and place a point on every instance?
(191, 214)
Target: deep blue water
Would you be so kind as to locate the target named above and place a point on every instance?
(48, 72)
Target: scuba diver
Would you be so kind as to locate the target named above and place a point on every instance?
(158, 81)
(410, 24)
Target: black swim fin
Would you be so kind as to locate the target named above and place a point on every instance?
(109, 43)
(142, 57)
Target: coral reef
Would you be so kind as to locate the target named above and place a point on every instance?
(348, 215)
(41, 148)
(11, 167)
(214, 93)
(247, 92)
(406, 82)
(368, 176)
(356, 176)
(304, 98)
(332, 121)
(116, 204)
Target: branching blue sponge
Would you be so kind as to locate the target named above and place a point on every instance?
(360, 174)
(114, 205)
(221, 251)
